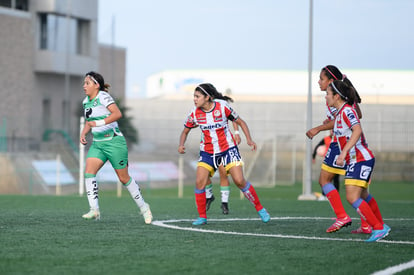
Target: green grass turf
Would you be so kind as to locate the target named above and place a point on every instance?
(46, 235)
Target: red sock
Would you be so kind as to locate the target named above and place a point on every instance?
(250, 194)
(364, 210)
(200, 199)
(375, 209)
(336, 204)
(364, 223)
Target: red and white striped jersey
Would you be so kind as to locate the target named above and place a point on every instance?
(216, 136)
(331, 113)
(344, 121)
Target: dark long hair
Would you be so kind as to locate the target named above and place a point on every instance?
(211, 91)
(96, 77)
(332, 72)
(346, 92)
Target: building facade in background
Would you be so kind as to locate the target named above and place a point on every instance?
(47, 47)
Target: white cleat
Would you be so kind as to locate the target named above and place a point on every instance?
(146, 212)
(93, 214)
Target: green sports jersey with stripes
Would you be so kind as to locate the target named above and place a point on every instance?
(97, 109)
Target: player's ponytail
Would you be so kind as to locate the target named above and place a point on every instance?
(332, 72)
(346, 92)
(210, 90)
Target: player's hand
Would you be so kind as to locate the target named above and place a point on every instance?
(181, 149)
(83, 140)
(311, 133)
(340, 161)
(237, 138)
(252, 144)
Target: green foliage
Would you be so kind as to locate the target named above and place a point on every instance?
(46, 235)
(125, 124)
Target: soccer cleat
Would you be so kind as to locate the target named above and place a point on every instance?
(200, 221)
(93, 214)
(264, 215)
(362, 230)
(225, 208)
(146, 212)
(339, 223)
(209, 201)
(379, 234)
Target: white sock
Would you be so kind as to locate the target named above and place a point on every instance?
(209, 191)
(225, 193)
(135, 192)
(92, 192)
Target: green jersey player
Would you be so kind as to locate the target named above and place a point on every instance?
(101, 115)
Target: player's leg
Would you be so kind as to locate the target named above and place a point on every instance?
(94, 161)
(342, 218)
(328, 171)
(202, 176)
(224, 189)
(209, 194)
(248, 190)
(356, 184)
(118, 156)
(365, 228)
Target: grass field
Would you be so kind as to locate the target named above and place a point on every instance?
(46, 235)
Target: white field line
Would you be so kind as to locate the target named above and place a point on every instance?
(395, 269)
(167, 224)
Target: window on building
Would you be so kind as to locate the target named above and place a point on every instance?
(15, 4)
(47, 114)
(83, 34)
(63, 34)
(6, 3)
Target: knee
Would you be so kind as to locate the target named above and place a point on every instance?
(201, 183)
(350, 198)
(124, 179)
(239, 182)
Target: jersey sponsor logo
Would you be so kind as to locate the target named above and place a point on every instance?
(365, 172)
(88, 112)
(201, 119)
(210, 127)
(338, 123)
(351, 116)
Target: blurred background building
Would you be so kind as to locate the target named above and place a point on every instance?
(47, 46)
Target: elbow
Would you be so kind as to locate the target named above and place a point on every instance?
(118, 115)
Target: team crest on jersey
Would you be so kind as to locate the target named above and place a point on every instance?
(217, 115)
